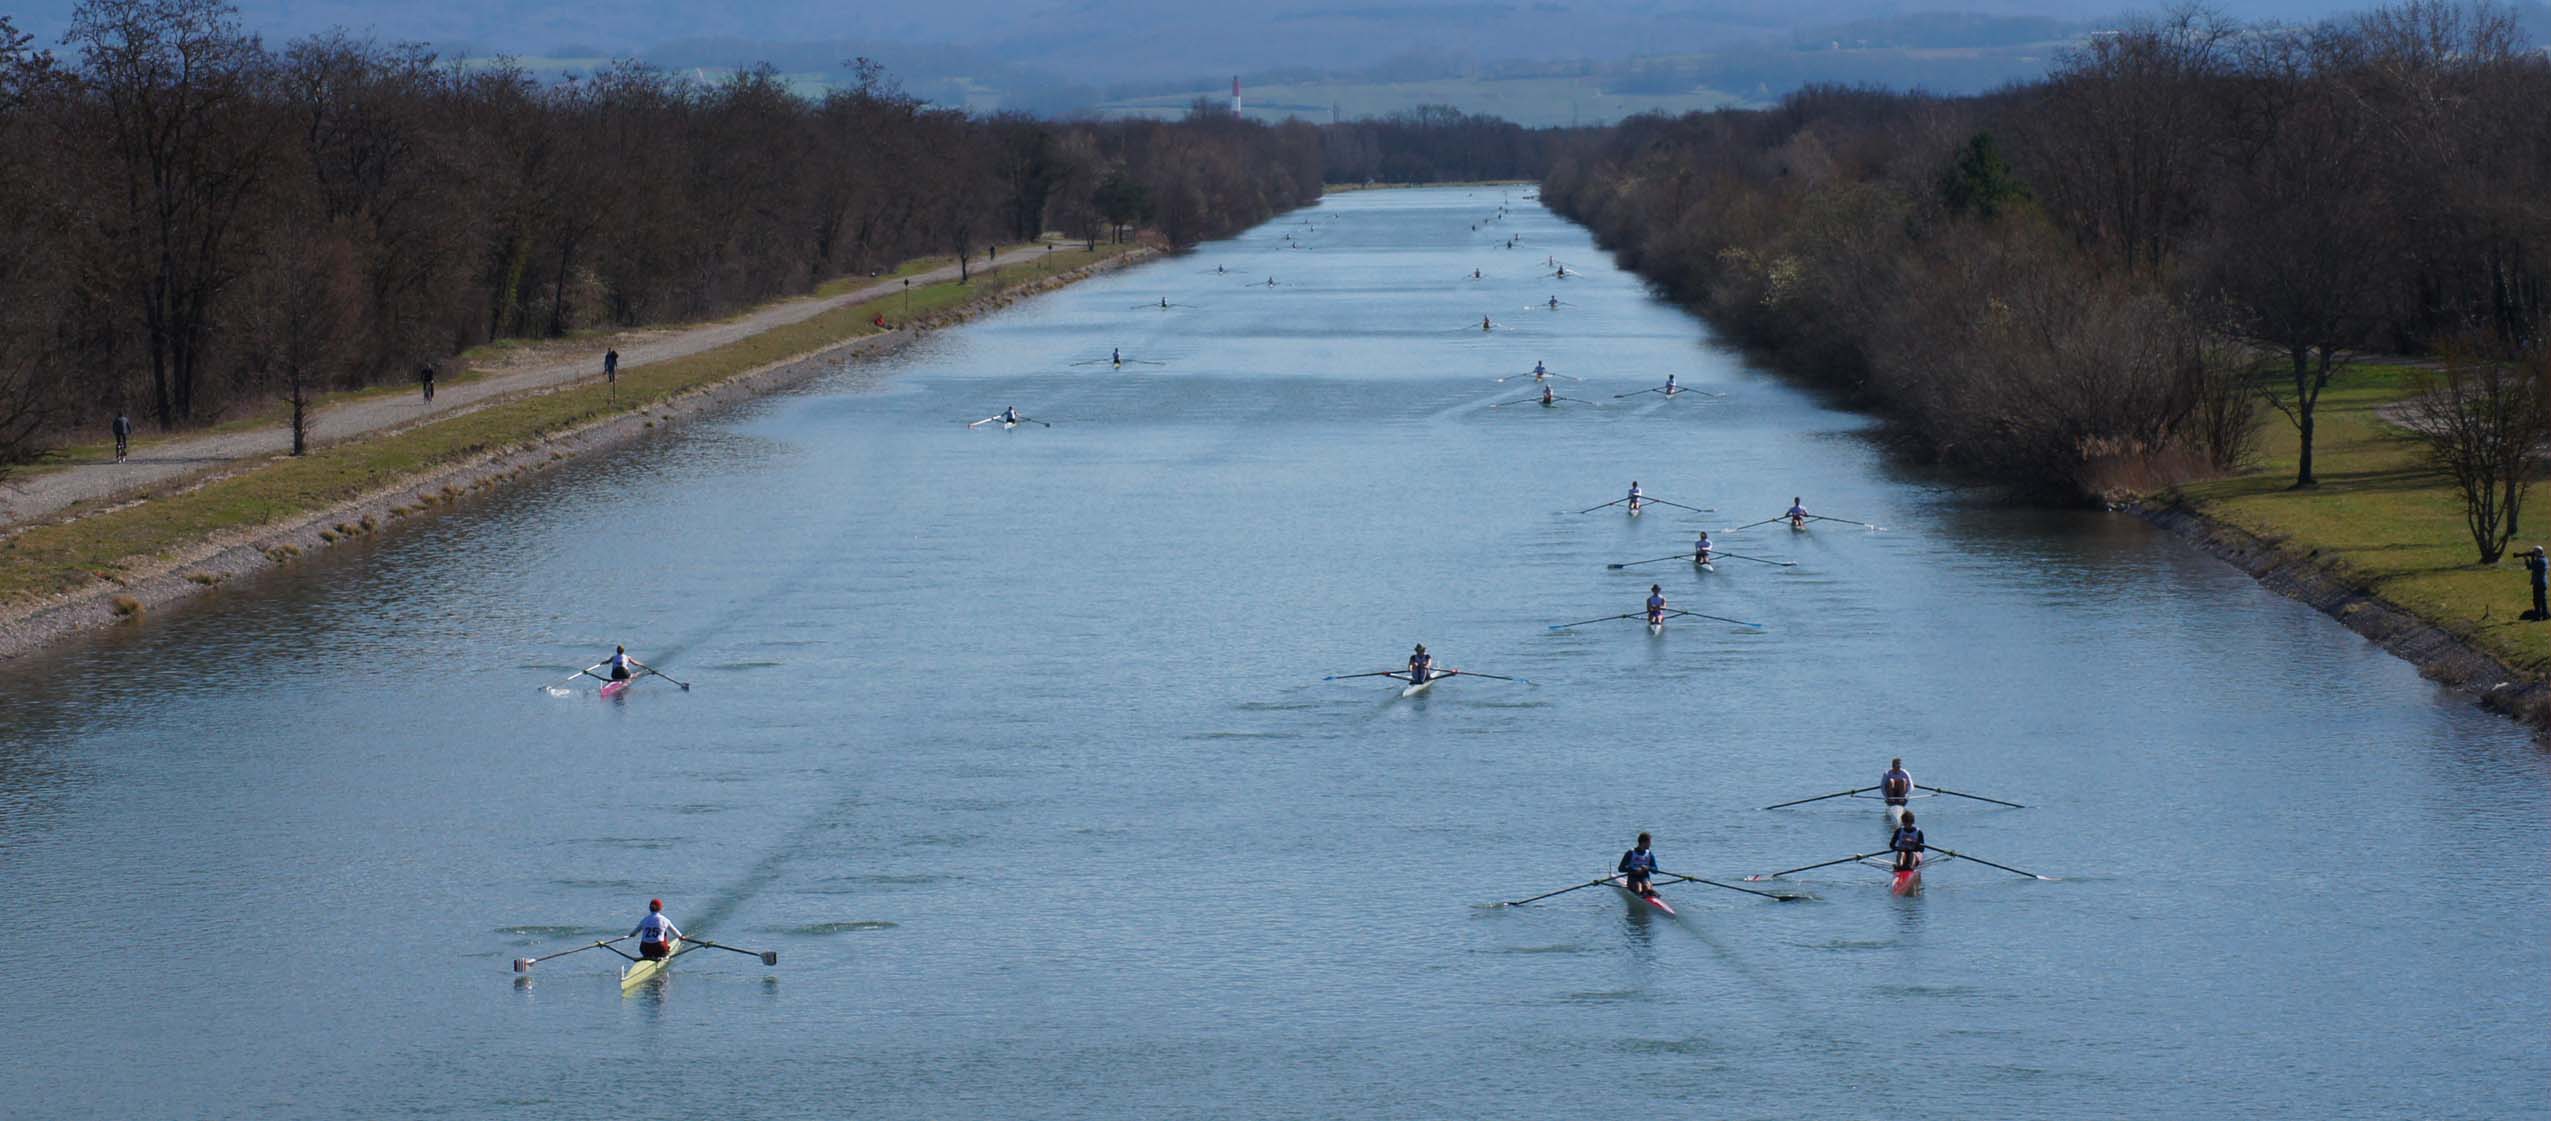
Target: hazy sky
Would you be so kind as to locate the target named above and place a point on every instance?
(1207, 35)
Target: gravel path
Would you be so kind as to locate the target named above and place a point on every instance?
(155, 462)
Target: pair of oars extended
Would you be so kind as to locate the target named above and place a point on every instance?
(1643, 500)
(1859, 856)
(523, 965)
(1677, 877)
(1869, 789)
(1810, 517)
(1714, 555)
(588, 671)
(1438, 675)
(1673, 614)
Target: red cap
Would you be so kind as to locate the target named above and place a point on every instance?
(655, 904)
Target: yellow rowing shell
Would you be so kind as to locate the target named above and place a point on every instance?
(641, 970)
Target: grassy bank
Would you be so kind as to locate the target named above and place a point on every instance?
(2383, 521)
(72, 556)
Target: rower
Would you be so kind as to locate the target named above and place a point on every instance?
(1164, 302)
(657, 936)
(1669, 386)
(1474, 275)
(1906, 843)
(1539, 371)
(1116, 355)
(1554, 303)
(1656, 605)
(1797, 513)
(1701, 549)
(1636, 866)
(1487, 324)
(1635, 496)
(620, 661)
(1546, 398)
(1421, 666)
(1895, 786)
(1010, 415)
(1270, 282)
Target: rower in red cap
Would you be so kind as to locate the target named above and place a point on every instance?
(656, 934)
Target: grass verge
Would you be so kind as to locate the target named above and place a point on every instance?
(2382, 519)
(61, 557)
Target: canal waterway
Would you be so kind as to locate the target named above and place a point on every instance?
(1014, 745)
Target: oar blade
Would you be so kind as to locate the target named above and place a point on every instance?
(522, 965)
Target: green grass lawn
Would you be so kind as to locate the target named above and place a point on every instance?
(2383, 520)
(71, 556)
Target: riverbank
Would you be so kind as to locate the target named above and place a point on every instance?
(2380, 546)
(112, 566)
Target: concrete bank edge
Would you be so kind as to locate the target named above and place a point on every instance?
(2439, 654)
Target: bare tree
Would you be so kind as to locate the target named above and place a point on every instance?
(2482, 422)
(178, 85)
(2305, 229)
(302, 320)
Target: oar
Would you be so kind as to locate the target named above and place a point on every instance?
(1845, 521)
(523, 965)
(1579, 400)
(984, 421)
(1489, 676)
(1561, 891)
(1750, 525)
(1822, 797)
(1614, 502)
(1714, 554)
(769, 957)
(1990, 864)
(1721, 619)
(1618, 396)
(1810, 867)
(1375, 673)
(686, 686)
(1783, 896)
(1033, 420)
(588, 671)
(1651, 560)
(1977, 797)
(1516, 401)
(1680, 506)
(1605, 619)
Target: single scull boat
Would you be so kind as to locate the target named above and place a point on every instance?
(1652, 899)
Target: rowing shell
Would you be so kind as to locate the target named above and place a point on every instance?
(1634, 509)
(1703, 565)
(1895, 816)
(615, 688)
(1416, 687)
(1907, 880)
(641, 970)
(1652, 899)
(1656, 627)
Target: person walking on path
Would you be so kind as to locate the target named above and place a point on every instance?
(123, 435)
(611, 373)
(2539, 566)
(425, 378)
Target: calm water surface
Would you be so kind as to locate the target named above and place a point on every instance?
(1013, 745)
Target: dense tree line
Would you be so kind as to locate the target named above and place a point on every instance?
(1436, 144)
(195, 219)
(2095, 279)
